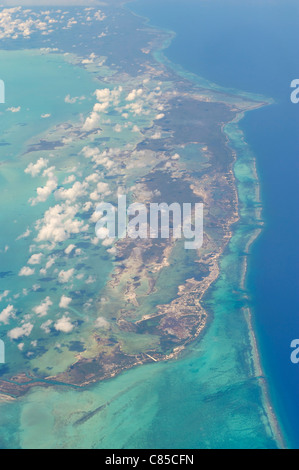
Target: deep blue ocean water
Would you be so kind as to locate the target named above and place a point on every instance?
(251, 45)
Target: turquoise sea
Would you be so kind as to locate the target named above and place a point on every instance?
(215, 395)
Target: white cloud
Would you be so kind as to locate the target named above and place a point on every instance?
(92, 122)
(46, 326)
(104, 158)
(87, 206)
(59, 223)
(101, 323)
(65, 301)
(65, 276)
(101, 107)
(103, 188)
(6, 314)
(99, 15)
(118, 128)
(72, 194)
(26, 271)
(68, 99)
(42, 309)
(70, 179)
(4, 294)
(96, 216)
(25, 234)
(94, 196)
(93, 178)
(134, 94)
(103, 95)
(19, 332)
(90, 280)
(102, 233)
(108, 242)
(18, 23)
(14, 110)
(156, 136)
(35, 169)
(35, 259)
(49, 264)
(43, 193)
(136, 108)
(64, 325)
(69, 249)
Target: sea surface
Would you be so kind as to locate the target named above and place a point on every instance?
(250, 46)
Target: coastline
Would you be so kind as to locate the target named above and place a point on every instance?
(262, 101)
